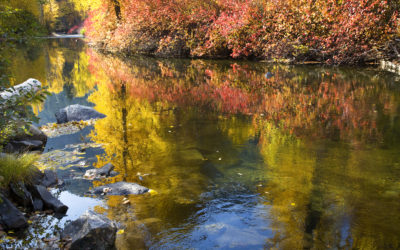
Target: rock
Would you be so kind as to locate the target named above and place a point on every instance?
(113, 173)
(191, 155)
(98, 172)
(24, 146)
(34, 133)
(91, 231)
(49, 201)
(49, 179)
(37, 204)
(21, 195)
(211, 171)
(34, 139)
(77, 112)
(10, 217)
(29, 86)
(36, 176)
(120, 188)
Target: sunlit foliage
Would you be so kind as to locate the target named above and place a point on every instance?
(318, 192)
(330, 31)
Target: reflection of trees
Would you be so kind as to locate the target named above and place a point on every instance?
(130, 130)
(58, 64)
(325, 194)
(320, 102)
(322, 193)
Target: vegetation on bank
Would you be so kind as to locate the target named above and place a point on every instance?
(330, 31)
(20, 20)
(15, 168)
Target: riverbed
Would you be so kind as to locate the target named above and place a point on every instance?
(240, 154)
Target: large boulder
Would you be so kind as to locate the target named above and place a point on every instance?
(49, 201)
(120, 188)
(10, 217)
(91, 231)
(95, 173)
(77, 112)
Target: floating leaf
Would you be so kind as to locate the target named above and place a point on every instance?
(152, 192)
(121, 231)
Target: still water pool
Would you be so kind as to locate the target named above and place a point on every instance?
(242, 155)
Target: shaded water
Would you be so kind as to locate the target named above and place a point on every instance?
(241, 154)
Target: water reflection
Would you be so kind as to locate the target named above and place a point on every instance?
(243, 154)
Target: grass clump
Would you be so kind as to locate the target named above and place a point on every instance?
(15, 168)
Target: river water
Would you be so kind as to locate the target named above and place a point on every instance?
(241, 155)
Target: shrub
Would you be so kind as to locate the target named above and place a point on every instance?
(332, 31)
(15, 168)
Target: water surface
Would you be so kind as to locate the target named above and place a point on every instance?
(241, 154)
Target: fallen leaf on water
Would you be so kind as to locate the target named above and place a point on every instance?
(121, 231)
(152, 191)
(293, 204)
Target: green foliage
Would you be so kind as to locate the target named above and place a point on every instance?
(17, 114)
(16, 168)
(18, 23)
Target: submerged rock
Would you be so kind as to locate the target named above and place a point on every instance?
(120, 188)
(191, 155)
(10, 217)
(91, 231)
(49, 201)
(104, 171)
(53, 130)
(77, 112)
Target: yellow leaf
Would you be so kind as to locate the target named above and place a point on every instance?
(121, 231)
(293, 204)
(152, 191)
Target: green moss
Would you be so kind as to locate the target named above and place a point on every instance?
(16, 168)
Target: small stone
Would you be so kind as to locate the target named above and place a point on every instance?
(120, 188)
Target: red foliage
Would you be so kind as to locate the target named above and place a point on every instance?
(348, 31)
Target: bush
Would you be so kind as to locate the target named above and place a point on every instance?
(15, 168)
(18, 23)
(331, 31)
(17, 114)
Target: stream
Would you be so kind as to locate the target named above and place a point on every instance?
(240, 154)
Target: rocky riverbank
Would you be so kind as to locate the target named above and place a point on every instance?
(23, 203)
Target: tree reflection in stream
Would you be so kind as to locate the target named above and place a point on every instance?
(241, 154)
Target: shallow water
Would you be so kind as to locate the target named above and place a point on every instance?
(240, 154)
